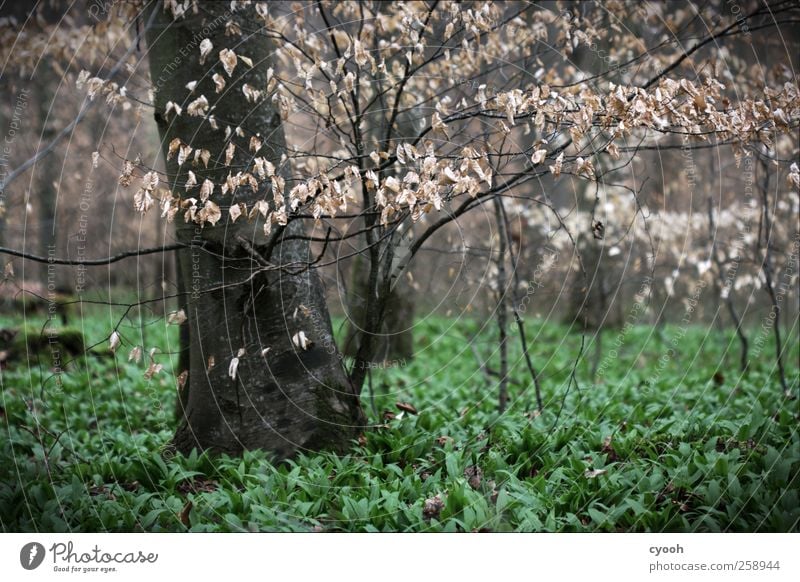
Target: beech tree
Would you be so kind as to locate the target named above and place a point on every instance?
(296, 136)
(259, 311)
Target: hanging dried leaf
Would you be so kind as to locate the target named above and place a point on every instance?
(360, 54)
(438, 125)
(127, 173)
(206, 190)
(177, 317)
(233, 368)
(301, 341)
(235, 212)
(198, 107)
(555, 169)
(251, 93)
(143, 200)
(191, 181)
(173, 147)
(210, 213)
(183, 154)
(349, 81)
(392, 184)
(228, 59)
(135, 355)
(793, 178)
(203, 155)
(114, 342)
(219, 82)
(205, 50)
(172, 106)
(153, 369)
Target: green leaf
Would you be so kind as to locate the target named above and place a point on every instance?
(451, 463)
(503, 500)
(598, 517)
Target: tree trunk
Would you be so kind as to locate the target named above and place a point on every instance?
(395, 340)
(289, 399)
(47, 173)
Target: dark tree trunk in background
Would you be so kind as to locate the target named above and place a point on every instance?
(290, 399)
(395, 341)
(394, 338)
(45, 85)
(593, 296)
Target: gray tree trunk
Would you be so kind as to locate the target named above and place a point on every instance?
(291, 399)
(45, 85)
(395, 340)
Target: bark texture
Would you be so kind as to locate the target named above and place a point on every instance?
(290, 399)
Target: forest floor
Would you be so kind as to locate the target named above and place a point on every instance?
(667, 436)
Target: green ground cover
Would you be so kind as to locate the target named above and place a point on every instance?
(659, 440)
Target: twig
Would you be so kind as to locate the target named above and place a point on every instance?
(93, 262)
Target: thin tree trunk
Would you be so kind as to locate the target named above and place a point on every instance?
(45, 85)
(282, 398)
(766, 266)
(515, 301)
(395, 340)
(502, 314)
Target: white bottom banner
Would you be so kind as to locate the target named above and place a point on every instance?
(389, 557)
